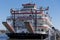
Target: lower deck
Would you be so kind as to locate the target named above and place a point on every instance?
(26, 36)
(25, 39)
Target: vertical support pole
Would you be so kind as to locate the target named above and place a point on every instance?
(14, 21)
(35, 20)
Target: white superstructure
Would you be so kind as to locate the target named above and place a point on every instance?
(38, 19)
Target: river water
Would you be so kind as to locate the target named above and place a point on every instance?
(3, 37)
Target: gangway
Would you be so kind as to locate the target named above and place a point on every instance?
(29, 27)
(9, 27)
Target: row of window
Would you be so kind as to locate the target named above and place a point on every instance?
(40, 30)
(28, 6)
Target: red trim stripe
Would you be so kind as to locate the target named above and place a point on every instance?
(41, 26)
(26, 12)
(30, 18)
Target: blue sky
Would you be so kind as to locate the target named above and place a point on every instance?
(54, 9)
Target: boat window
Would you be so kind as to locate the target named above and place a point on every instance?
(40, 16)
(42, 30)
(28, 6)
(30, 15)
(18, 27)
(45, 15)
(26, 32)
(38, 29)
(22, 31)
(41, 24)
